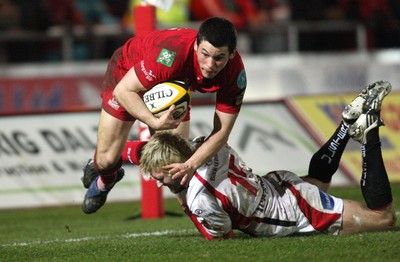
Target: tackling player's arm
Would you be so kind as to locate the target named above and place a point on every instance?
(223, 124)
(127, 94)
(211, 220)
(204, 228)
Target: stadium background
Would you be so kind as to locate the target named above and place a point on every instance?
(49, 104)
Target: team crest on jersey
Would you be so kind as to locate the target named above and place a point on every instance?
(166, 57)
(203, 213)
(242, 79)
(198, 212)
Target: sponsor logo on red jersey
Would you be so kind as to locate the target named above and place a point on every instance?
(166, 57)
(148, 74)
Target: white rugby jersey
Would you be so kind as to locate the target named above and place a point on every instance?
(224, 195)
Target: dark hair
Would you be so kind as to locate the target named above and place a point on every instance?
(219, 32)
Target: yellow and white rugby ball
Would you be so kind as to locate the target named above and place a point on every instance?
(163, 95)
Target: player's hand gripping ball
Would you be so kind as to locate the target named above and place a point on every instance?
(162, 96)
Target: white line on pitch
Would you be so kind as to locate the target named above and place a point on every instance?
(129, 235)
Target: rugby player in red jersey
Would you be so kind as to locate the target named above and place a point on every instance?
(205, 59)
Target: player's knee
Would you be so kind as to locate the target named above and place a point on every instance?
(388, 217)
(391, 220)
(105, 161)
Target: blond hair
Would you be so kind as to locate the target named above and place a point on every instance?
(164, 148)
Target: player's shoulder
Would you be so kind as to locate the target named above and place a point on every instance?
(179, 31)
(180, 40)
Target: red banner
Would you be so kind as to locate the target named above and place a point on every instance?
(22, 95)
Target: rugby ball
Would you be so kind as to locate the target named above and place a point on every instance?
(163, 95)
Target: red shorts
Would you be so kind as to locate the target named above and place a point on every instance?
(116, 70)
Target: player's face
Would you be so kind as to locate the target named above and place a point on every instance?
(211, 59)
(165, 179)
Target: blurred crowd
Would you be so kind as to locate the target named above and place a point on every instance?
(381, 18)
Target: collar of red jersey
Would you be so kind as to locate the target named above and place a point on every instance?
(199, 75)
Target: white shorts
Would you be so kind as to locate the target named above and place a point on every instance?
(303, 203)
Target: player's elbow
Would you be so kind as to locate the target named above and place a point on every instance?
(228, 235)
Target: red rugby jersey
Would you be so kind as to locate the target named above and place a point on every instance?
(164, 55)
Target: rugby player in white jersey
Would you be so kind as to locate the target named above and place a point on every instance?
(224, 195)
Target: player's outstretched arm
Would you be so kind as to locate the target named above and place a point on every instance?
(223, 124)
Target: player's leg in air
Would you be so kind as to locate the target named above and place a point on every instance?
(361, 121)
(325, 161)
(379, 212)
(95, 196)
(99, 181)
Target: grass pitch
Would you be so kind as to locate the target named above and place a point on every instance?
(117, 233)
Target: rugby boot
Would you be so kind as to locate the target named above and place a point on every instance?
(89, 173)
(370, 97)
(359, 130)
(95, 198)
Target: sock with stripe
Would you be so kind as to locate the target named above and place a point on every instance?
(325, 162)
